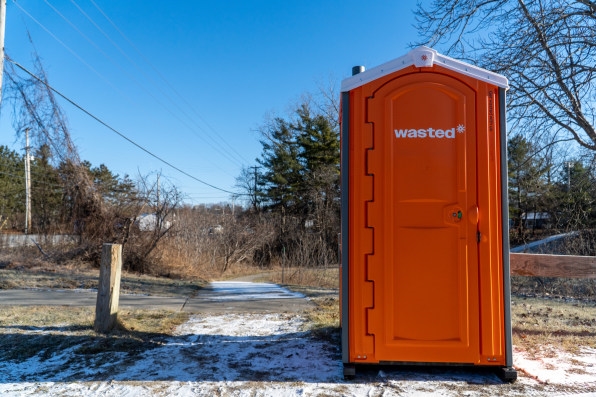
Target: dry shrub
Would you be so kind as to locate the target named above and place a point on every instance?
(310, 250)
(304, 276)
(180, 260)
(14, 258)
(209, 242)
(577, 288)
(584, 244)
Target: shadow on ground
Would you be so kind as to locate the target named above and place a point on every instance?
(55, 354)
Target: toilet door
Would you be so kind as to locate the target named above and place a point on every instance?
(424, 217)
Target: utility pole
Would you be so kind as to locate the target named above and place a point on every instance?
(158, 191)
(254, 198)
(27, 183)
(2, 28)
(158, 215)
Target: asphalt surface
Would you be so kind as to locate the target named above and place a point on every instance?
(234, 297)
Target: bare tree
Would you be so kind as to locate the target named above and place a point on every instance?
(248, 184)
(241, 237)
(153, 220)
(36, 109)
(547, 49)
(99, 213)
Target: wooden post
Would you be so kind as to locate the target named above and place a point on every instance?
(108, 292)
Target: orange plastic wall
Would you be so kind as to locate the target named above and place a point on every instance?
(425, 230)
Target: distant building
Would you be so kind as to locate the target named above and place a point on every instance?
(536, 220)
(217, 229)
(149, 222)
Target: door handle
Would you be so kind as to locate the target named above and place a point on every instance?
(455, 214)
(473, 215)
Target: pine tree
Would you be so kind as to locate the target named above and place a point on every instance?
(576, 197)
(527, 181)
(319, 153)
(46, 190)
(300, 181)
(12, 187)
(282, 177)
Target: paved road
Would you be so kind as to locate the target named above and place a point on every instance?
(216, 297)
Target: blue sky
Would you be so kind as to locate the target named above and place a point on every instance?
(192, 81)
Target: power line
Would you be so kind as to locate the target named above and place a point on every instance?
(219, 148)
(229, 153)
(65, 46)
(116, 131)
(230, 147)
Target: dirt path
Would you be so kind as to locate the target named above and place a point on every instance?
(246, 297)
(216, 297)
(254, 277)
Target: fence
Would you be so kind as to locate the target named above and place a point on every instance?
(23, 240)
(543, 265)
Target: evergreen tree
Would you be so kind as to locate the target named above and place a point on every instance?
(282, 174)
(300, 183)
(300, 161)
(576, 197)
(12, 187)
(528, 189)
(320, 156)
(46, 190)
(112, 188)
(318, 140)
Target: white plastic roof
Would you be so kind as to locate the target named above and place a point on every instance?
(422, 57)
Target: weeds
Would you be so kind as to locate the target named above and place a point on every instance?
(538, 319)
(47, 332)
(542, 322)
(40, 274)
(306, 276)
(554, 287)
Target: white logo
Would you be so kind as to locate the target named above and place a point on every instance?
(430, 132)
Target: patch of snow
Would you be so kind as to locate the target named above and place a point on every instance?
(240, 290)
(223, 348)
(268, 355)
(559, 367)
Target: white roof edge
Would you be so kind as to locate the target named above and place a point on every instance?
(423, 57)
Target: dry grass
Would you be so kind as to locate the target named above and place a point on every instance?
(554, 287)
(81, 318)
(324, 319)
(179, 261)
(305, 276)
(321, 286)
(44, 275)
(538, 323)
(27, 331)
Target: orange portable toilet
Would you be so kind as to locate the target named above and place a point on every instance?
(425, 249)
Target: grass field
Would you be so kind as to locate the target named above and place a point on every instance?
(537, 321)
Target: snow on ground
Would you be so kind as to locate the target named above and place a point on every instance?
(267, 355)
(559, 367)
(242, 290)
